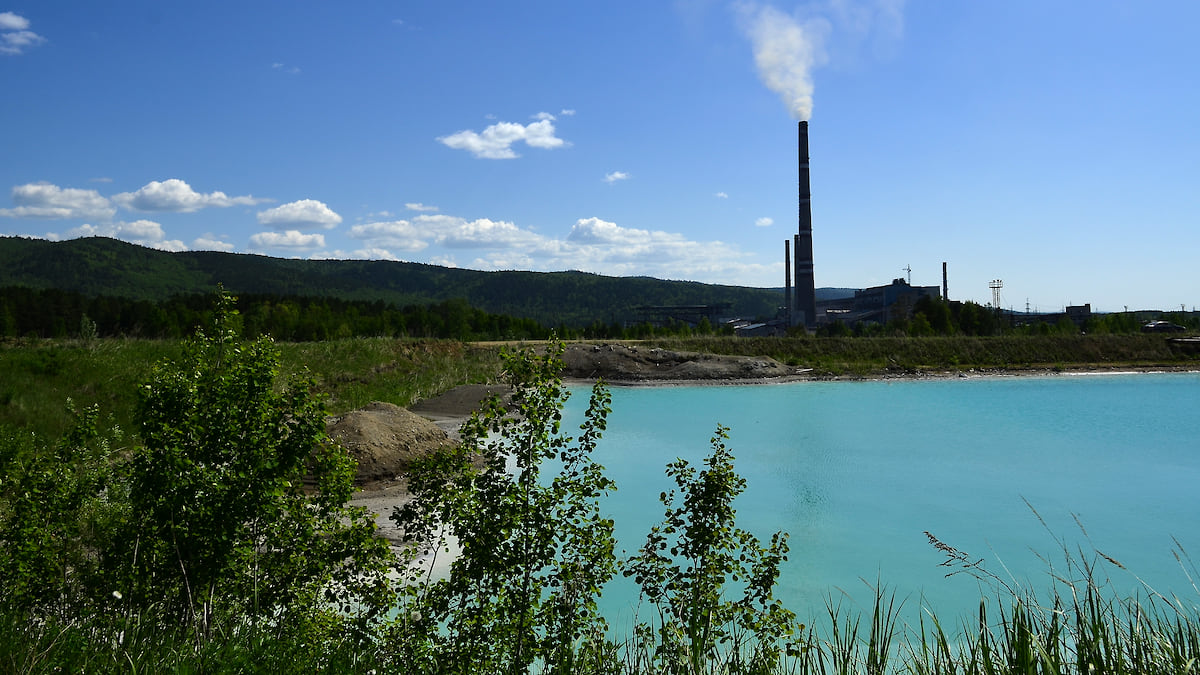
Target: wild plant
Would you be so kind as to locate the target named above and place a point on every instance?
(236, 496)
(536, 549)
(684, 568)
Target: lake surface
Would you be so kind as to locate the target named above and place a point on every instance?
(856, 472)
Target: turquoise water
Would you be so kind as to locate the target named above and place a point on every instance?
(856, 472)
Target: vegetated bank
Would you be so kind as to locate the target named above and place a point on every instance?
(40, 375)
(918, 356)
(101, 555)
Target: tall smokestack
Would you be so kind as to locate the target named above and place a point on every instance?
(945, 285)
(787, 281)
(806, 291)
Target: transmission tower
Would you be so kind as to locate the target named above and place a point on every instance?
(996, 286)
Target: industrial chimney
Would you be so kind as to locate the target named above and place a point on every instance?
(787, 282)
(805, 304)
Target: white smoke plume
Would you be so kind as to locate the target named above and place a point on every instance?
(786, 51)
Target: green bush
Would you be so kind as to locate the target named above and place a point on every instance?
(523, 501)
(238, 498)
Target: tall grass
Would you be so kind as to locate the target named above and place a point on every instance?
(38, 376)
(1080, 626)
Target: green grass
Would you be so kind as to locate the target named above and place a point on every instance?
(1077, 627)
(37, 377)
(865, 356)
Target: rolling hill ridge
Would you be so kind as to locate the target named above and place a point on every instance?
(98, 266)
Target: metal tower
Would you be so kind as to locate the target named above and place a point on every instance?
(996, 286)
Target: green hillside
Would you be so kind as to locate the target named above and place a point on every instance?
(99, 266)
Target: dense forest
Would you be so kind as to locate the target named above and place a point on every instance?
(54, 313)
(96, 266)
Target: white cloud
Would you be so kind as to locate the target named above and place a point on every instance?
(600, 246)
(566, 112)
(371, 254)
(417, 206)
(764, 222)
(593, 245)
(303, 214)
(209, 242)
(10, 21)
(15, 36)
(290, 240)
(483, 232)
(141, 232)
(496, 141)
(176, 195)
(283, 67)
(721, 195)
(448, 231)
(615, 176)
(398, 234)
(44, 200)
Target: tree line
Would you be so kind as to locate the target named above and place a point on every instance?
(935, 316)
(55, 313)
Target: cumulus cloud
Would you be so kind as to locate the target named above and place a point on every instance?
(764, 222)
(608, 248)
(372, 254)
(10, 21)
(141, 232)
(484, 232)
(496, 141)
(209, 242)
(442, 230)
(384, 236)
(300, 215)
(593, 245)
(721, 195)
(15, 36)
(176, 195)
(615, 176)
(44, 200)
(291, 240)
(417, 206)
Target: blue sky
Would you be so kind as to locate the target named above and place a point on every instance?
(1052, 145)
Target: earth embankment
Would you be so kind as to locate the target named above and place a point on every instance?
(632, 363)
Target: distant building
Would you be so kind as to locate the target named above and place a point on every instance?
(1079, 314)
(879, 304)
(664, 315)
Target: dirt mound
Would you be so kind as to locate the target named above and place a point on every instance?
(621, 363)
(460, 401)
(385, 439)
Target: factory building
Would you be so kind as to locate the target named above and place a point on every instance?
(878, 304)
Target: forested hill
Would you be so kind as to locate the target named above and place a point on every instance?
(98, 266)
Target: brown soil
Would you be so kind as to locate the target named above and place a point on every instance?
(385, 439)
(625, 363)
